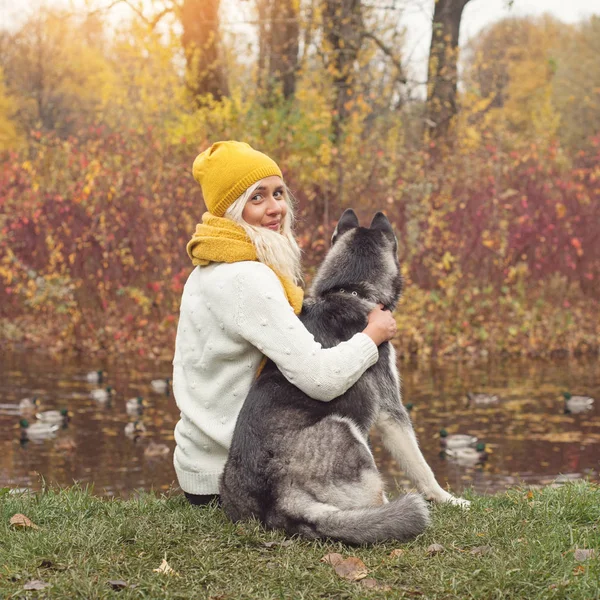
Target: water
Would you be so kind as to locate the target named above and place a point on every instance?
(531, 440)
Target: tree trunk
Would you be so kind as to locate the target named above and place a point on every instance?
(285, 34)
(279, 34)
(442, 73)
(343, 30)
(201, 43)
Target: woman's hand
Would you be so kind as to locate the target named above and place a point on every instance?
(381, 326)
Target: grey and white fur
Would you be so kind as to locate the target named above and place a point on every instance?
(306, 466)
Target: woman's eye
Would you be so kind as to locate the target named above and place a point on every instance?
(256, 198)
(278, 194)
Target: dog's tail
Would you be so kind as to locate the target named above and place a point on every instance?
(401, 519)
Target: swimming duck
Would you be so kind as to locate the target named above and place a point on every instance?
(95, 376)
(29, 404)
(38, 431)
(25, 406)
(456, 440)
(61, 417)
(161, 386)
(482, 399)
(468, 456)
(135, 406)
(135, 429)
(154, 450)
(102, 395)
(577, 404)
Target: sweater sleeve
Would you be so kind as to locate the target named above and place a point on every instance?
(265, 318)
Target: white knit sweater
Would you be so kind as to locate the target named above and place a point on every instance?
(231, 315)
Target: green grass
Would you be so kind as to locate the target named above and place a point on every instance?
(85, 541)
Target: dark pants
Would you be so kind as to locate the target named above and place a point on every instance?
(202, 500)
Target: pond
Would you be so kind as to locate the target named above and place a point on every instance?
(530, 438)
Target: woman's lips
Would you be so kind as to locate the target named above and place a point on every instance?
(274, 226)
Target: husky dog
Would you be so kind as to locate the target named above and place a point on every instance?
(306, 466)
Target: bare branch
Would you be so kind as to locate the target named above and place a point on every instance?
(388, 52)
(105, 8)
(152, 23)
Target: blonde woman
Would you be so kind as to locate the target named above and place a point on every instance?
(240, 305)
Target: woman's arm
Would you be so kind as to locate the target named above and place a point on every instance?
(265, 318)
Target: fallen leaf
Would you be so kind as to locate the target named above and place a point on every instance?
(165, 569)
(481, 550)
(578, 570)
(283, 544)
(20, 520)
(333, 559)
(373, 584)
(582, 554)
(35, 584)
(352, 569)
(117, 584)
(396, 552)
(435, 549)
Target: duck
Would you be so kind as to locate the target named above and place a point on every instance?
(29, 404)
(135, 429)
(456, 440)
(38, 431)
(135, 406)
(102, 395)
(25, 406)
(482, 398)
(154, 450)
(468, 456)
(61, 417)
(95, 376)
(161, 386)
(577, 404)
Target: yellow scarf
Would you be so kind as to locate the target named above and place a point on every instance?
(217, 239)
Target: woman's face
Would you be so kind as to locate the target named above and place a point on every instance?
(267, 206)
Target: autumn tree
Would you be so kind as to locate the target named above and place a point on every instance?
(278, 37)
(511, 69)
(576, 84)
(442, 77)
(343, 29)
(201, 40)
(57, 77)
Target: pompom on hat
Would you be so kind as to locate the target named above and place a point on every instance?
(227, 169)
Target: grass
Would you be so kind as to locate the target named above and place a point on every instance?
(84, 541)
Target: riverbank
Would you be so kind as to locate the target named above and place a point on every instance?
(518, 544)
(549, 320)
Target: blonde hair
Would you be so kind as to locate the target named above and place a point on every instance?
(278, 250)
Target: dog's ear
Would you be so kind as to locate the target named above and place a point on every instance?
(347, 221)
(380, 221)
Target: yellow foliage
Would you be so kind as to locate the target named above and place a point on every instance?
(9, 136)
(510, 81)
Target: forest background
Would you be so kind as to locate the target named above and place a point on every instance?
(491, 178)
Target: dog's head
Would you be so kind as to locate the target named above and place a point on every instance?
(362, 259)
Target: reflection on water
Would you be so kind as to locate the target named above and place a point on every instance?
(530, 437)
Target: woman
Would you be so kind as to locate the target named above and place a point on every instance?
(239, 305)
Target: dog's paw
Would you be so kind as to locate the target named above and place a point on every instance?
(459, 502)
(443, 497)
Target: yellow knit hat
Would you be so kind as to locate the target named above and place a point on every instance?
(227, 169)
